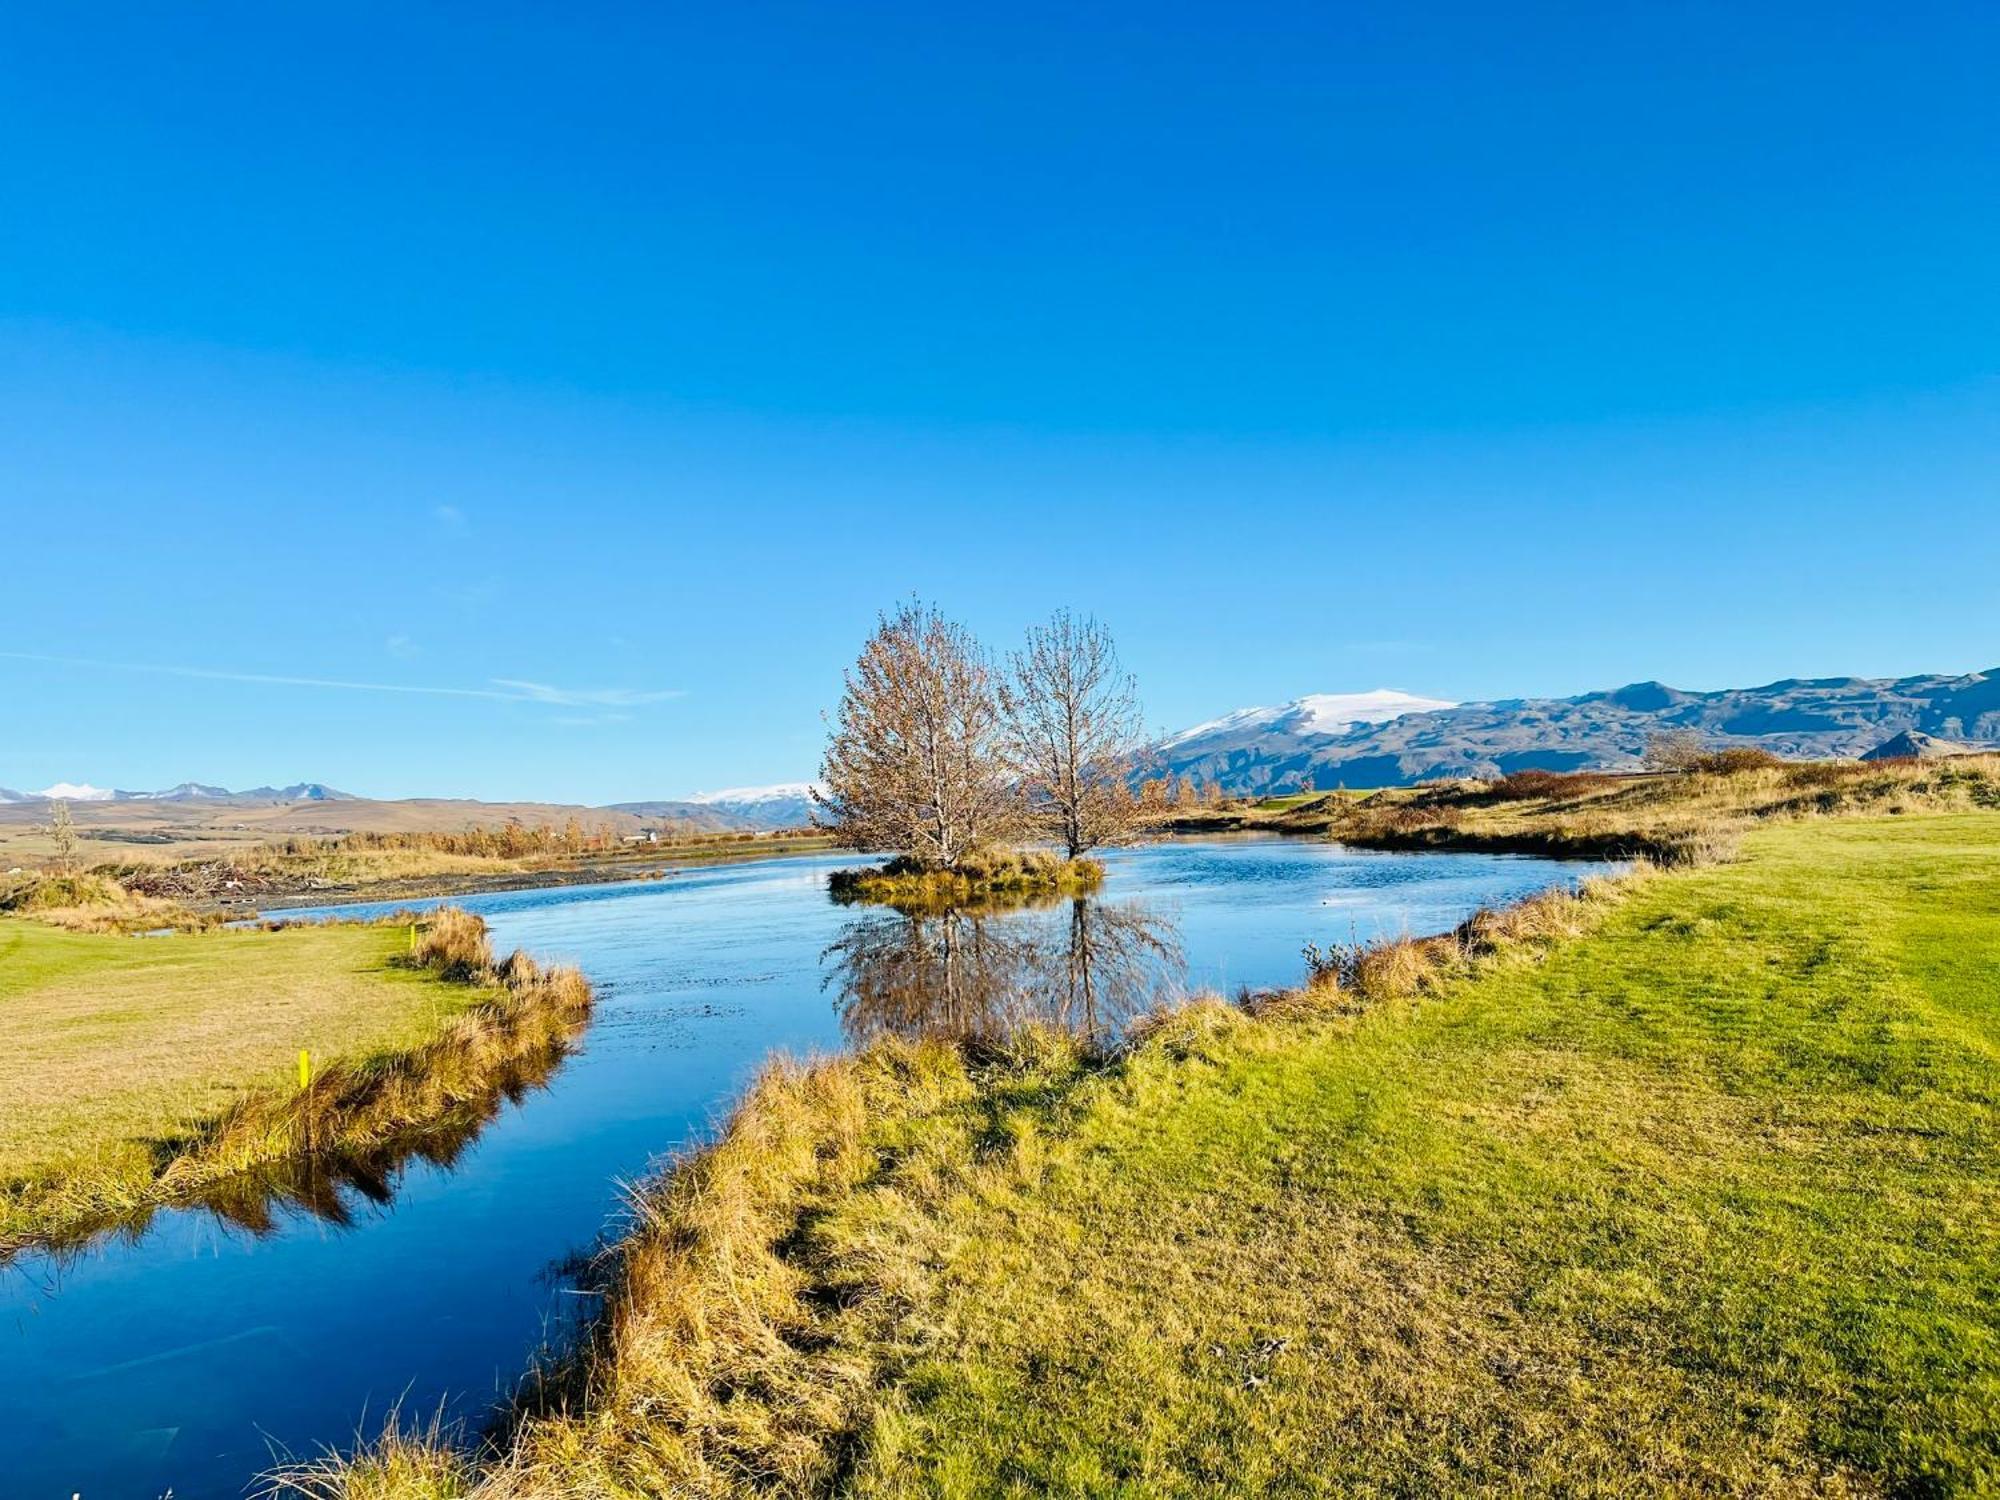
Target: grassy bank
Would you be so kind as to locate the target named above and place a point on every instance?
(1686, 1185)
(1678, 818)
(995, 877)
(136, 1070)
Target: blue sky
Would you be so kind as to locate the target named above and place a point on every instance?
(551, 396)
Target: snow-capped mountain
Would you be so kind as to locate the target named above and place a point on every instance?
(1390, 739)
(753, 808)
(1315, 715)
(79, 791)
(788, 791)
(187, 791)
(787, 805)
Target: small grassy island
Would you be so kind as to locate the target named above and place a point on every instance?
(1681, 1183)
(1007, 876)
(135, 1071)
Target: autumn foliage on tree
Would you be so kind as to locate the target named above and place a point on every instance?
(914, 762)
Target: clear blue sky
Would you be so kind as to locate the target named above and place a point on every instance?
(598, 372)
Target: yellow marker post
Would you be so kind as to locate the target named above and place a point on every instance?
(305, 1070)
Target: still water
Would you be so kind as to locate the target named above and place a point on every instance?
(288, 1316)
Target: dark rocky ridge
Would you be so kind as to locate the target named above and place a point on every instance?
(1797, 718)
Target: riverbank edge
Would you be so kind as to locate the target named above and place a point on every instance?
(344, 1105)
(709, 1362)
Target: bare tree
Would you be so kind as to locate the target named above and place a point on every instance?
(913, 763)
(1074, 732)
(1675, 750)
(63, 831)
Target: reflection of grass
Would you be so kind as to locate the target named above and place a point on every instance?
(1703, 1201)
(134, 1069)
(985, 879)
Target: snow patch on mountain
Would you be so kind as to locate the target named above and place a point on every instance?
(187, 791)
(77, 791)
(751, 796)
(1314, 714)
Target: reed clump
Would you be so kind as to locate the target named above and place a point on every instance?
(453, 944)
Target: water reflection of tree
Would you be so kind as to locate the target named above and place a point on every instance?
(982, 973)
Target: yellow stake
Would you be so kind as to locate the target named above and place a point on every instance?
(305, 1069)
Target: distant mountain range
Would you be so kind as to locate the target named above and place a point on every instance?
(737, 809)
(755, 807)
(187, 791)
(1387, 738)
(1380, 738)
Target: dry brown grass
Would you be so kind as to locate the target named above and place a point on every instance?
(454, 943)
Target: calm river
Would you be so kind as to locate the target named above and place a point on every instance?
(193, 1356)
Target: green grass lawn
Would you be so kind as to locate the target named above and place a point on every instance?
(109, 1043)
(1709, 1201)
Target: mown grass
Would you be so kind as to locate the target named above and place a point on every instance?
(1687, 1186)
(133, 1070)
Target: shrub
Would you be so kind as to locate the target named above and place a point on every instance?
(1674, 750)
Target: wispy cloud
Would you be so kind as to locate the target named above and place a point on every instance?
(499, 689)
(401, 645)
(450, 515)
(542, 692)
